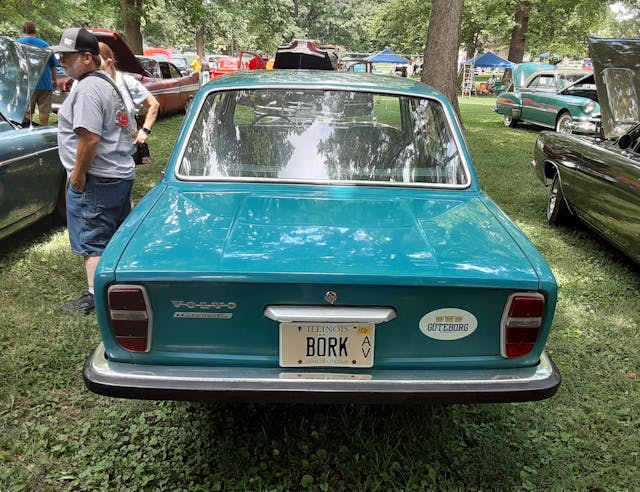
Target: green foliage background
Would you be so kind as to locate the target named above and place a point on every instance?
(558, 26)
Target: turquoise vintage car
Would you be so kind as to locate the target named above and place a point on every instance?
(597, 178)
(563, 99)
(32, 179)
(321, 236)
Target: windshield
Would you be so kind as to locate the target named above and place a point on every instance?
(318, 135)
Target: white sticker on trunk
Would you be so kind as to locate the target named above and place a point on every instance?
(448, 324)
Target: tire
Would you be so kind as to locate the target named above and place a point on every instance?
(558, 212)
(564, 123)
(509, 121)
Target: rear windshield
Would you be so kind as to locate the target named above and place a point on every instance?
(322, 135)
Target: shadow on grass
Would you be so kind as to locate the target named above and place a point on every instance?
(361, 447)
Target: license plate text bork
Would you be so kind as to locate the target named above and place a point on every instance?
(326, 344)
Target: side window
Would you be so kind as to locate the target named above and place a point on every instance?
(534, 83)
(174, 73)
(547, 82)
(166, 72)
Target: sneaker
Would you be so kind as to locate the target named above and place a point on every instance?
(84, 304)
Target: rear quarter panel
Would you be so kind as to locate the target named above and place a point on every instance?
(507, 102)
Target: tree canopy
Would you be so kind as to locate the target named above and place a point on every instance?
(557, 26)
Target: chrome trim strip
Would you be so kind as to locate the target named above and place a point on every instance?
(28, 156)
(330, 314)
(127, 380)
(176, 90)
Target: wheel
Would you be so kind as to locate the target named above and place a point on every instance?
(557, 210)
(564, 123)
(509, 121)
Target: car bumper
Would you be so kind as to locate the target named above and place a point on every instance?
(157, 382)
(585, 125)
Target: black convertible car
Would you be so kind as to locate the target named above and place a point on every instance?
(597, 178)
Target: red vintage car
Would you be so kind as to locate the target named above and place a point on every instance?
(171, 88)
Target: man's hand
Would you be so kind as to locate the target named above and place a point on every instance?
(78, 180)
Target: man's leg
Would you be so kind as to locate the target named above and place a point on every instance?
(90, 265)
(85, 303)
(45, 100)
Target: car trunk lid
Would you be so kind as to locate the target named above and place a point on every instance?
(307, 234)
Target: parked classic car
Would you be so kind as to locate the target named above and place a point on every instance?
(163, 54)
(321, 236)
(32, 179)
(223, 65)
(157, 68)
(597, 178)
(305, 54)
(562, 99)
(173, 91)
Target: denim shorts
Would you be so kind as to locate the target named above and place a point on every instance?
(94, 214)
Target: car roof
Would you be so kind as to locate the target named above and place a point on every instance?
(557, 71)
(325, 79)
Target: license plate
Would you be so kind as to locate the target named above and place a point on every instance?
(326, 344)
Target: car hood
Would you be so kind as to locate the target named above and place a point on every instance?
(330, 235)
(617, 73)
(20, 68)
(127, 61)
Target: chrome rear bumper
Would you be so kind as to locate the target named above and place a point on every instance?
(156, 382)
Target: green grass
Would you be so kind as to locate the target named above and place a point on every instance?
(56, 435)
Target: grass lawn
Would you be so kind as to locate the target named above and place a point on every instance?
(55, 435)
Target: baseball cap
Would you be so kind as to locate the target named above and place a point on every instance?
(77, 40)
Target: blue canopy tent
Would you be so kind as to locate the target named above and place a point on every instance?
(485, 60)
(387, 56)
(489, 60)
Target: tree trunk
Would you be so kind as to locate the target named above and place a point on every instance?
(131, 14)
(200, 42)
(441, 50)
(519, 33)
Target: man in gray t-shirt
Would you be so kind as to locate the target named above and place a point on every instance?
(95, 143)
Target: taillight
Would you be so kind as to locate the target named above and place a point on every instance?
(521, 323)
(130, 316)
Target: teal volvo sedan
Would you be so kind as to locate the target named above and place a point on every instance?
(321, 236)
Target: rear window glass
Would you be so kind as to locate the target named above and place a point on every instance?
(322, 135)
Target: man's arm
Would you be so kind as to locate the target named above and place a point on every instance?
(87, 149)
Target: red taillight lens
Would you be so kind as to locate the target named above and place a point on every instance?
(521, 323)
(130, 317)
